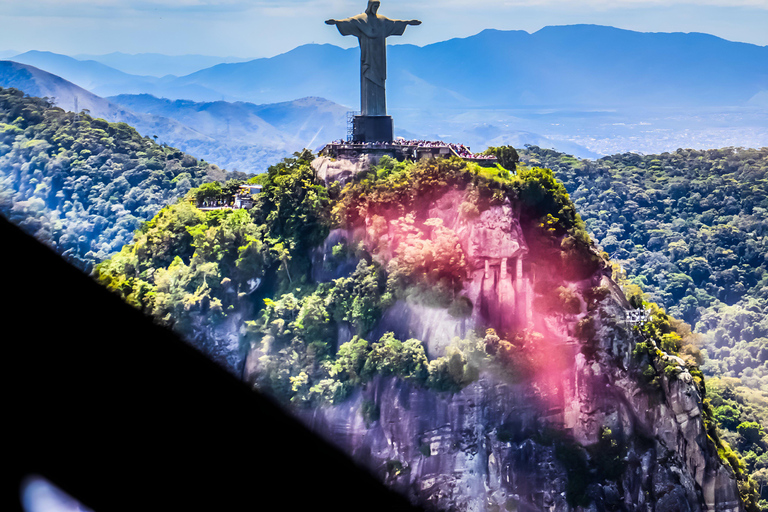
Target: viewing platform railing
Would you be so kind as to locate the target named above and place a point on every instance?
(400, 151)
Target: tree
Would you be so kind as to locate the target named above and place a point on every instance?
(283, 253)
(208, 192)
(751, 431)
(506, 155)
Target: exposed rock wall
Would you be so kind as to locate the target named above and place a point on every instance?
(407, 320)
(490, 446)
(342, 169)
(451, 454)
(222, 343)
(496, 283)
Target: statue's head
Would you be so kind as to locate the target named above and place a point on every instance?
(373, 6)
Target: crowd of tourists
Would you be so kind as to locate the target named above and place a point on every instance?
(460, 149)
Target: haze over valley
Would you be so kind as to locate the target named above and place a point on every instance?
(585, 90)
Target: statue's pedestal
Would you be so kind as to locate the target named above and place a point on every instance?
(373, 129)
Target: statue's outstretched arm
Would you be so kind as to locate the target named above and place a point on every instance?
(407, 22)
(348, 26)
(397, 27)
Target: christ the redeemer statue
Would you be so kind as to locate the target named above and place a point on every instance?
(372, 31)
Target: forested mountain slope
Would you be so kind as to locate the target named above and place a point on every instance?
(247, 136)
(452, 328)
(690, 228)
(83, 185)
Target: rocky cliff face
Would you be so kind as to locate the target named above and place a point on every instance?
(579, 432)
(221, 343)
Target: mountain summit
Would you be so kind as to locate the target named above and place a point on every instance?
(452, 328)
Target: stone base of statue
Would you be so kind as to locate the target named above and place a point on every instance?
(373, 129)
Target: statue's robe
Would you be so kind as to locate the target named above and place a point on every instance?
(372, 32)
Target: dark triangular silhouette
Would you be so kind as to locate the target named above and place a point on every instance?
(124, 416)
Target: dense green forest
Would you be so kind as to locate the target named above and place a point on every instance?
(690, 228)
(83, 185)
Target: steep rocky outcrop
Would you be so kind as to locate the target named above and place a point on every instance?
(341, 170)
(581, 431)
(221, 342)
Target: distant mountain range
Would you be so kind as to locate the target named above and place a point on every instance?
(238, 136)
(88, 74)
(64, 94)
(575, 66)
(104, 80)
(156, 64)
(583, 89)
(288, 126)
(235, 135)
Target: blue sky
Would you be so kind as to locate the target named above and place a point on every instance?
(259, 28)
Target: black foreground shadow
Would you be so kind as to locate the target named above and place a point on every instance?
(124, 416)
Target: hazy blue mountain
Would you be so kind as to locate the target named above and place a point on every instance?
(556, 67)
(588, 65)
(232, 135)
(156, 64)
(104, 80)
(575, 66)
(37, 82)
(260, 145)
(310, 123)
(243, 131)
(311, 120)
(91, 75)
(6, 54)
(235, 121)
(326, 70)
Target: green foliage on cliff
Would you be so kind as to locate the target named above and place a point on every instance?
(186, 264)
(506, 155)
(548, 216)
(429, 262)
(741, 415)
(297, 338)
(83, 185)
(191, 269)
(664, 340)
(690, 228)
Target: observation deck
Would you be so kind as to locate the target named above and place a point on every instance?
(405, 150)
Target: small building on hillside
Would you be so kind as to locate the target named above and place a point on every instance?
(251, 189)
(215, 199)
(244, 197)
